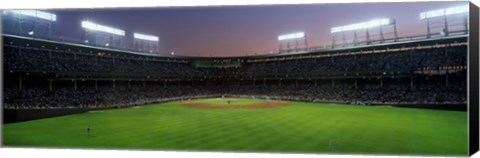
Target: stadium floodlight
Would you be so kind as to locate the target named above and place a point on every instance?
(291, 36)
(31, 33)
(444, 12)
(36, 14)
(145, 37)
(292, 42)
(363, 25)
(92, 26)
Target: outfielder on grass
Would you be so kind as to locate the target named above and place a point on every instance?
(88, 131)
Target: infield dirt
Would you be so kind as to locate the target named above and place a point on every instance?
(264, 104)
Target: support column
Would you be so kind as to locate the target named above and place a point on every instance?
(356, 85)
(333, 82)
(315, 82)
(381, 35)
(20, 82)
(144, 84)
(355, 39)
(96, 85)
(129, 83)
(368, 37)
(253, 82)
(428, 28)
(296, 83)
(264, 84)
(411, 82)
(113, 84)
(280, 82)
(381, 82)
(333, 42)
(395, 30)
(446, 26)
(74, 85)
(50, 86)
(446, 80)
(288, 47)
(165, 83)
(306, 44)
(296, 45)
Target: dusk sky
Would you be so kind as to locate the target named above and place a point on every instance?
(238, 30)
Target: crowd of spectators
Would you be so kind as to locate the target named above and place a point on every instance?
(39, 95)
(123, 94)
(43, 60)
(365, 93)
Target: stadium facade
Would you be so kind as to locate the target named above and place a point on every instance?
(43, 75)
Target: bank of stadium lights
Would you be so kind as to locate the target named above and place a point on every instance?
(364, 28)
(442, 14)
(291, 36)
(35, 14)
(145, 37)
(145, 43)
(297, 39)
(361, 26)
(101, 35)
(30, 22)
(96, 27)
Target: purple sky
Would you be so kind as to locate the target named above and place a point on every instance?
(238, 30)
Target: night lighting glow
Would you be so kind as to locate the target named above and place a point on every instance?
(291, 36)
(444, 12)
(363, 25)
(97, 27)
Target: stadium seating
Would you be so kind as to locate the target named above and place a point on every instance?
(37, 78)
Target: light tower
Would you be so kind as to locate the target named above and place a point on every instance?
(446, 21)
(373, 31)
(32, 23)
(292, 42)
(100, 35)
(145, 43)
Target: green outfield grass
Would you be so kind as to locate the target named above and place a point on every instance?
(234, 101)
(300, 127)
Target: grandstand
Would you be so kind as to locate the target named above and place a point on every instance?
(42, 74)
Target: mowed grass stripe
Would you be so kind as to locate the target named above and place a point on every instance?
(299, 127)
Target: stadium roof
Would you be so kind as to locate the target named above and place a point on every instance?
(404, 42)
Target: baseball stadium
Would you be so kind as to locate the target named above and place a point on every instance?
(373, 92)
